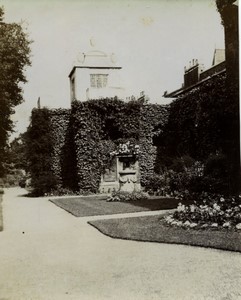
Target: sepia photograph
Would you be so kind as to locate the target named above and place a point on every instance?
(120, 150)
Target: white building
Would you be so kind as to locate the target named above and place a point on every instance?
(94, 76)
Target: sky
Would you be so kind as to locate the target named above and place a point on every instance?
(152, 40)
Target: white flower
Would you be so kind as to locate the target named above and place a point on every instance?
(169, 219)
(192, 208)
(180, 223)
(187, 223)
(238, 226)
(222, 199)
(174, 222)
(193, 225)
(227, 224)
(216, 207)
(214, 225)
(180, 207)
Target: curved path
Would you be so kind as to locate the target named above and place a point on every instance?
(46, 253)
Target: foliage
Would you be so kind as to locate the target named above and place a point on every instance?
(200, 125)
(152, 121)
(124, 196)
(100, 127)
(63, 156)
(155, 184)
(197, 122)
(39, 152)
(17, 152)
(82, 140)
(222, 4)
(128, 148)
(211, 210)
(14, 57)
(90, 128)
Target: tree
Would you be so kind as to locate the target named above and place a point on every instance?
(17, 152)
(14, 58)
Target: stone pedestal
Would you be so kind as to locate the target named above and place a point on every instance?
(128, 180)
(123, 175)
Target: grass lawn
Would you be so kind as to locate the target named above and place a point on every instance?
(97, 205)
(152, 229)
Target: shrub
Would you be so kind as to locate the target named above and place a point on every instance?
(124, 196)
(44, 184)
(155, 184)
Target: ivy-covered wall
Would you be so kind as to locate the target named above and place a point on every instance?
(152, 119)
(198, 122)
(83, 138)
(40, 149)
(59, 119)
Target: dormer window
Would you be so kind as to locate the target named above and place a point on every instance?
(98, 80)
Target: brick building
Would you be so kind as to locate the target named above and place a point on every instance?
(195, 74)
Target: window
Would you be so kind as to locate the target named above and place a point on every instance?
(98, 80)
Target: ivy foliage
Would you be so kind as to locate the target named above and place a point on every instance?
(77, 143)
(99, 126)
(39, 152)
(198, 122)
(222, 5)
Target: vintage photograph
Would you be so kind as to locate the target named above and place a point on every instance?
(120, 150)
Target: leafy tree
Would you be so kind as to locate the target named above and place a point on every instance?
(17, 152)
(14, 57)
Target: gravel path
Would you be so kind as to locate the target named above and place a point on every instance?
(46, 253)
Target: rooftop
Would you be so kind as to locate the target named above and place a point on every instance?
(96, 59)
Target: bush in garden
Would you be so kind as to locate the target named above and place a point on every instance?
(124, 196)
(155, 184)
(44, 184)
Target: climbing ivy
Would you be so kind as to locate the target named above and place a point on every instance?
(81, 140)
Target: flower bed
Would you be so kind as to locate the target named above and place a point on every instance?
(210, 211)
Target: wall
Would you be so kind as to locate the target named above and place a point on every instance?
(82, 84)
(82, 139)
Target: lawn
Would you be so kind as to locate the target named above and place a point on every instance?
(97, 205)
(152, 229)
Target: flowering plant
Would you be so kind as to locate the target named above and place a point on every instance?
(211, 211)
(124, 196)
(128, 148)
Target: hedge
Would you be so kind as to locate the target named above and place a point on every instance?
(79, 141)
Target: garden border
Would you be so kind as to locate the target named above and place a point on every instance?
(137, 230)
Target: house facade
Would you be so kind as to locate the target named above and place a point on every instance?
(95, 75)
(195, 74)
